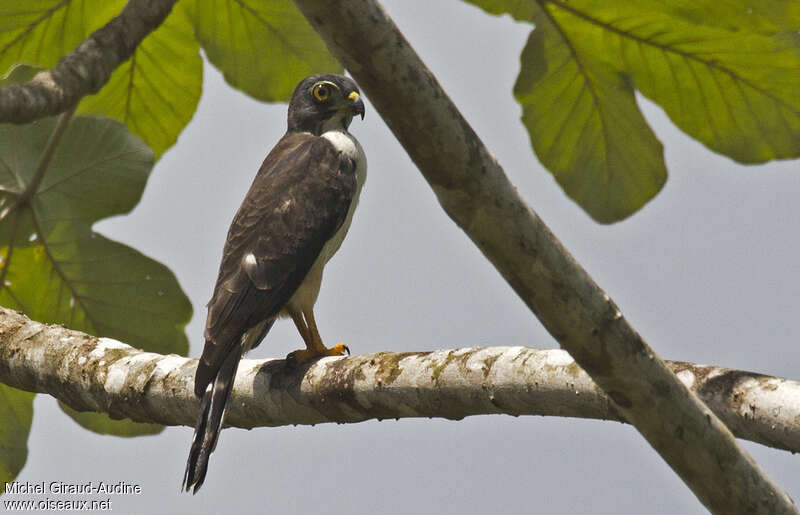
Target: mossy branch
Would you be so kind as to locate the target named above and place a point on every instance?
(99, 374)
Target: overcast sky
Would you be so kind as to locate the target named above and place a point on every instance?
(707, 272)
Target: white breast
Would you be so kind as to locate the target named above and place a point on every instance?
(306, 294)
(345, 143)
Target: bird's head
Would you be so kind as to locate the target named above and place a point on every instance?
(324, 102)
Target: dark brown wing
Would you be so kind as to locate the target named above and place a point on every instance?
(297, 202)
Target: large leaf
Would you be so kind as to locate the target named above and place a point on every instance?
(155, 92)
(40, 32)
(78, 278)
(734, 91)
(765, 17)
(16, 412)
(725, 73)
(19, 73)
(585, 126)
(262, 47)
(84, 280)
(55, 268)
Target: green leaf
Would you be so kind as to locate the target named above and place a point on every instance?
(262, 48)
(92, 284)
(156, 92)
(19, 73)
(55, 268)
(585, 126)
(16, 412)
(726, 73)
(40, 32)
(63, 272)
(765, 16)
(734, 91)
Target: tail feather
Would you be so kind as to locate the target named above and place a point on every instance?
(209, 423)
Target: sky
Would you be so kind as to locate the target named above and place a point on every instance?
(707, 272)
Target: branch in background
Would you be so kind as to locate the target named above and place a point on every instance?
(475, 193)
(87, 68)
(99, 374)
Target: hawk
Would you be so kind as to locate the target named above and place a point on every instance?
(289, 225)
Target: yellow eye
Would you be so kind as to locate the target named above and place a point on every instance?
(321, 91)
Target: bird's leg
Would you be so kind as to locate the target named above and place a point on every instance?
(302, 328)
(337, 350)
(307, 327)
(301, 356)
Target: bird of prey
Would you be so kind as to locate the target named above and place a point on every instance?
(291, 222)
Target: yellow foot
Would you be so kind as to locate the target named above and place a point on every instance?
(299, 357)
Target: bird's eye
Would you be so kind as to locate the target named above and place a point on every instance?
(321, 91)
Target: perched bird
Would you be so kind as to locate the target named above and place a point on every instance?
(291, 222)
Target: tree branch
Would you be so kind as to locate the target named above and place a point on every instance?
(475, 193)
(87, 68)
(100, 374)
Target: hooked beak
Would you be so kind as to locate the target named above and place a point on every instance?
(356, 104)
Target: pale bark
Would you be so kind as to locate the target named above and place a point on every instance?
(87, 68)
(101, 374)
(474, 191)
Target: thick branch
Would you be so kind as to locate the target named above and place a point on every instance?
(87, 68)
(475, 193)
(100, 374)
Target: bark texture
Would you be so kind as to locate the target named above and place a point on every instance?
(474, 191)
(100, 374)
(87, 68)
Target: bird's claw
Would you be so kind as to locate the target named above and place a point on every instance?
(339, 349)
(299, 357)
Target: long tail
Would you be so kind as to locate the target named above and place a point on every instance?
(209, 422)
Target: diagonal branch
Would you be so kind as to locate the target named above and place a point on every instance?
(100, 374)
(87, 68)
(475, 193)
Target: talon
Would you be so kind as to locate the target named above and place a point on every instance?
(338, 350)
(299, 357)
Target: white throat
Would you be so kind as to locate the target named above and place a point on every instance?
(345, 143)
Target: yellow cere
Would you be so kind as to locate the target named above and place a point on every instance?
(353, 95)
